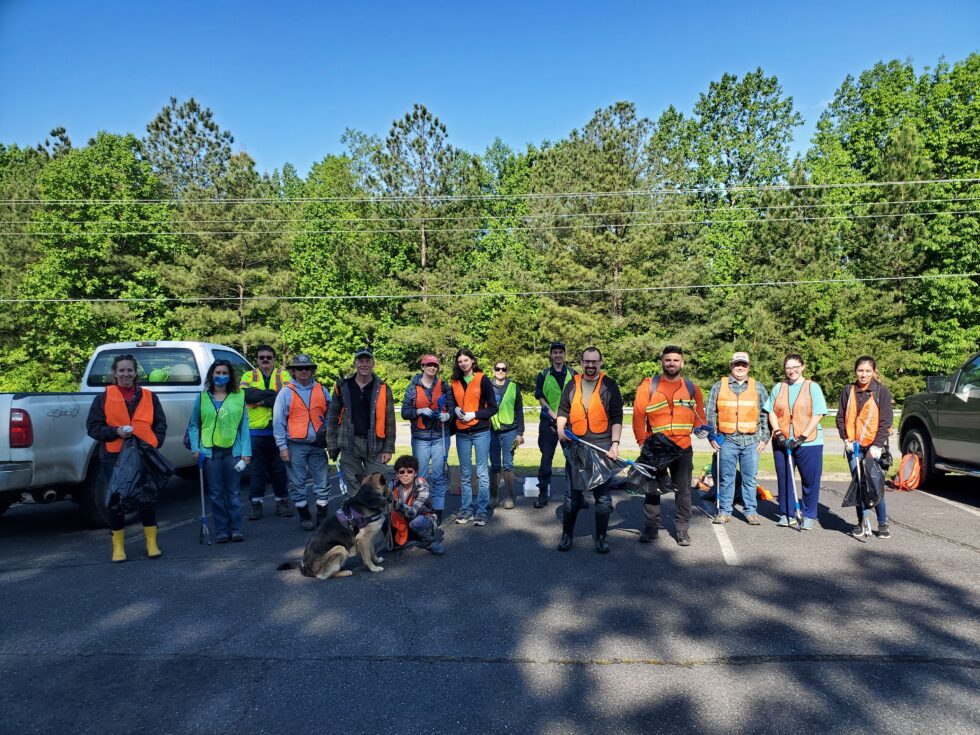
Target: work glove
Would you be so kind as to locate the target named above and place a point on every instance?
(849, 448)
(701, 432)
(875, 452)
(469, 416)
(459, 413)
(444, 416)
(779, 439)
(333, 454)
(427, 412)
(796, 443)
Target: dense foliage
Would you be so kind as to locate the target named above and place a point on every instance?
(628, 234)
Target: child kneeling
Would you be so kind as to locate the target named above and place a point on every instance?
(412, 516)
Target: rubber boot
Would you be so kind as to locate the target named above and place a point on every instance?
(152, 550)
(651, 522)
(508, 489)
(118, 550)
(601, 525)
(439, 515)
(542, 500)
(494, 489)
(567, 530)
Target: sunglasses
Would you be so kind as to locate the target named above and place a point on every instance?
(404, 471)
(303, 369)
(500, 369)
(431, 364)
(266, 358)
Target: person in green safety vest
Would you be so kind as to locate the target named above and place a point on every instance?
(218, 429)
(547, 389)
(506, 433)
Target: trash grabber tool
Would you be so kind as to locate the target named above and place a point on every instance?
(798, 513)
(865, 515)
(205, 531)
(445, 449)
(641, 468)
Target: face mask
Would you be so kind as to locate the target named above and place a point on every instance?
(221, 379)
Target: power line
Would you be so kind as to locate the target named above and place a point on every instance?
(700, 191)
(517, 228)
(485, 294)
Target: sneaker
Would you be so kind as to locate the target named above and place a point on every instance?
(753, 520)
(222, 540)
(237, 537)
(464, 516)
(437, 548)
(480, 519)
(683, 539)
(883, 531)
(649, 535)
(508, 503)
(857, 532)
(721, 518)
(256, 511)
(807, 524)
(305, 519)
(782, 521)
(792, 523)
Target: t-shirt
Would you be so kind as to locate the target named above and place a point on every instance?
(817, 402)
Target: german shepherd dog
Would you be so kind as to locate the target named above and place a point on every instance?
(336, 540)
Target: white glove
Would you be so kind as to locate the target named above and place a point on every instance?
(459, 413)
(444, 416)
(875, 452)
(849, 448)
(425, 411)
(469, 416)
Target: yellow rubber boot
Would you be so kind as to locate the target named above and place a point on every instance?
(152, 550)
(118, 550)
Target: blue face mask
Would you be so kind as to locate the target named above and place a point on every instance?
(220, 379)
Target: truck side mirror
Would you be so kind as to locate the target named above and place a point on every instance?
(937, 384)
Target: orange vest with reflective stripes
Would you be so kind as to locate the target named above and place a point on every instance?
(861, 427)
(116, 414)
(467, 398)
(654, 413)
(422, 402)
(593, 419)
(799, 415)
(738, 412)
(300, 416)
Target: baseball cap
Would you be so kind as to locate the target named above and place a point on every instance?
(740, 357)
(364, 352)
(301, 360)
(556, 346)
(428, 359)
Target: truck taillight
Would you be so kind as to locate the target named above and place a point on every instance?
(21, 431)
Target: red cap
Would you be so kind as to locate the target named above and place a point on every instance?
(429, 358)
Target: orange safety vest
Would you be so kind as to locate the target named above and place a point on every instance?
(863, 427)
(799, 415)
(738, 412)
(468, 398)
(116, 414)
(422, 402)
(398, 522)
(593, 419)
(300, 416)
(654, 414)
(380, 407)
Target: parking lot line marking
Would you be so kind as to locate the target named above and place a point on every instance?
(967, 508)
(727, 550)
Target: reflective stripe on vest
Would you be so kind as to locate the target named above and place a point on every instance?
(593, 419)
(300, 415)
(796, 417)
(505, 409)
(260, 416)
(422, 401)
(468, 398)
(116, 414)
(550, 388)
(671, 417)
(738, 412)
(861, 427)
(220, 428)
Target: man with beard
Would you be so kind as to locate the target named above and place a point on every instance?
(592, 407)
(671, 405)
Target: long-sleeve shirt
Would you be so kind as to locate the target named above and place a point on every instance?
(434, 428)
(763, 430)
(243, 440)
(280, 412)
(97, 427)
(886, 414)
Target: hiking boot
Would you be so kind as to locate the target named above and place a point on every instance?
(683, 538)
(494, 489)
(508, 476)
(464, 516)
(255, 512)
(721, 518)
(305, 519)
(542, 499)
(782, 521)
(807, 524)
(480, 519)
(753, 520)
(284, 509)
(649, 535)
(857, 532)
(883, 531)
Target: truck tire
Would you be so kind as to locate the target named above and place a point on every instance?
(92, 500)
(918, 442)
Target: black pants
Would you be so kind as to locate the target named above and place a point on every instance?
(266, 462)
(681, 470)
(117, 519)
(547, 443)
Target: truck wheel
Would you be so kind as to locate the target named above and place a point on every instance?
(92, 502)
(918, 442)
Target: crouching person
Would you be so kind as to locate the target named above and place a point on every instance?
(412, 516)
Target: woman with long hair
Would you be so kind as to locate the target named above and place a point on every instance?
(219, 430)
(475, 404)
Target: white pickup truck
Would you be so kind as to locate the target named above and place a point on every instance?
(45, 452)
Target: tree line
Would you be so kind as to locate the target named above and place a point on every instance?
(697, 228)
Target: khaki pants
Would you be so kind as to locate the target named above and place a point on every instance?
(358, 462)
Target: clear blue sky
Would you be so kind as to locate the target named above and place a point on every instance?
(288, 78)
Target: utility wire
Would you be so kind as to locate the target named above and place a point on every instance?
(496, 197)
(486, 294)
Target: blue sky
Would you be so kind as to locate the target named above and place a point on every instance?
(288, 78)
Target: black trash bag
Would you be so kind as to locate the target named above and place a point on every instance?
(872, 488)
(587, 468)
(124, 485)
(157, 471)
(656, 454)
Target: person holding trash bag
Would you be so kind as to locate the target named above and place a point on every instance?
(506, 434)
(428, 406)
(261, 387)
(864, 418)
(795, 408)
(735, 409)
(219, 429)
(474, 406)
(671, 405)
(126, 409)
(591, 407)
(547, 389)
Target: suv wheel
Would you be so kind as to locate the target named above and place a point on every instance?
(918, 442)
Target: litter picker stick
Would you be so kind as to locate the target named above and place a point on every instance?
(205, 532)
(865, 516)
(798, 513)
(641, 468)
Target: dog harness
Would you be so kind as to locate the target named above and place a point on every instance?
(353, 520)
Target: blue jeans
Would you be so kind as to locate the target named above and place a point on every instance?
(306, 462)
(500, 447)
(431, 454)
(466, 444)
(880, 508)
(224, 487)
(730, 457)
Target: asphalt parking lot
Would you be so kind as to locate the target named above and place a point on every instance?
(757, 630)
